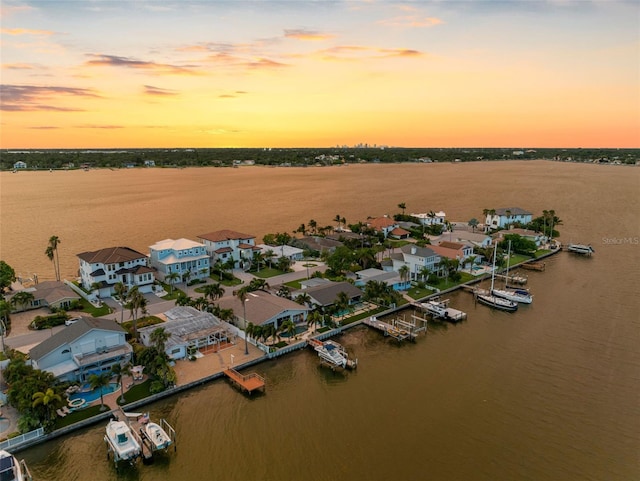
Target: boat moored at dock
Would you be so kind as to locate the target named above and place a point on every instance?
(333, 354)
(11, 469)
(122, 442)
(439, 309)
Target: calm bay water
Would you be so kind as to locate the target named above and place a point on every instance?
(551, 392)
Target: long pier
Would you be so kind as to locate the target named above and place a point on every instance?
(398, 328)
(250, 382)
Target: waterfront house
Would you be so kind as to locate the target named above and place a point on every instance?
(416, 258)
(505, 216)
(538, 237)
(437, 218)
(263, 308)
(20, 165)
(392, 279)
(319, 244)
(190, 330)
(383, 224)
(226, 245)
(51, 294)
(326, 294)
(399, 233)
(90, 346)
(181, 256)
(474, 239)
(289, 252)
(106, 267)
(453, 250)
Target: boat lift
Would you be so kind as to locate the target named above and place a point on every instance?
(398, 328)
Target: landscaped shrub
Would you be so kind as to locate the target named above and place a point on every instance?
(47, 322)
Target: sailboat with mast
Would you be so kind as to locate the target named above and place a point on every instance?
(490, 299)
(512, 294)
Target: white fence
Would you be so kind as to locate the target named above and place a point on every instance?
(23, 438)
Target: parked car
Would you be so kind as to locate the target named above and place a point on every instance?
(73, 320)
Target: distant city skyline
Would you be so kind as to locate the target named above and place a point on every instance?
(260, 74)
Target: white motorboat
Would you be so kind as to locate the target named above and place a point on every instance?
(11, 469)
(122, 442)
(581, 249)
(440, 309)
(333, 354)
(158, 436)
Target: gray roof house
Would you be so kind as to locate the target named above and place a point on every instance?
(263, 308)
(90, 346)
(327, 294)
(51, 294)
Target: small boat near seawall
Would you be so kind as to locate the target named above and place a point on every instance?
(439, 309)
(122, 442)
(585, 250)
(157, 435)
(11, 469)
(333, 354)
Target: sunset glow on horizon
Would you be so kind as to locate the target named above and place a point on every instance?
(146, 74)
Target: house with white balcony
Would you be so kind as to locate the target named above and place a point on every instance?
(90, 346)
(431, 218)
(538, 237)
(227, 245)
(290, 252)
(501, 218)
(417, 259)
(454, 251)
(104, 268)
(185, 257)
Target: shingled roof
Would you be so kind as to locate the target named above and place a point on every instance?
(111, 255)
(224, 235)
(71, 333)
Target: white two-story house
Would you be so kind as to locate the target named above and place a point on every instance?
(416, 259)
(432, 218)
(90, 346)
(508, 215)
(107, 267)
(225, 245)
(181, 256)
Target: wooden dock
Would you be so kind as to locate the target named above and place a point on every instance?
(250, 382)
(534, 266)
(398, 328)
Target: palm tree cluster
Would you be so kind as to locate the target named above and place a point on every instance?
(380, 293)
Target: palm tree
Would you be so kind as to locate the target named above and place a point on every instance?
(213, 291)
(471, 260)
(258, 259)
(269, 255)
(473, 223)
(54, 241)
(50, 253)
(50, 399)
(337, 219)
(302, 228)
(342, 303)
(289, 327)
(404, 273)
(284, 291)
(137, 302)
(159, 338)
(21, 299)
(424, 272)
(402, 206)
(119, 371)
(98, 381)
(121, 291)
(258, 284)
(185, 277)
(303, 299)
(314, 318)
(242, 295)
(171, 279)
(313, 225)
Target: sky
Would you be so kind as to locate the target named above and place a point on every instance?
(319, 73)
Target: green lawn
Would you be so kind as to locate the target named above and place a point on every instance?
(94, 311)
(76, 416)
(359, 316)
(418, 293)
(268, 272)
(171, 294)
(142, 322)
(541, 252)
(517, 259)
(294, 284)
(137, 392)
(464, 277)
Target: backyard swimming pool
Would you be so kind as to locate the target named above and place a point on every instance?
(90, 396)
